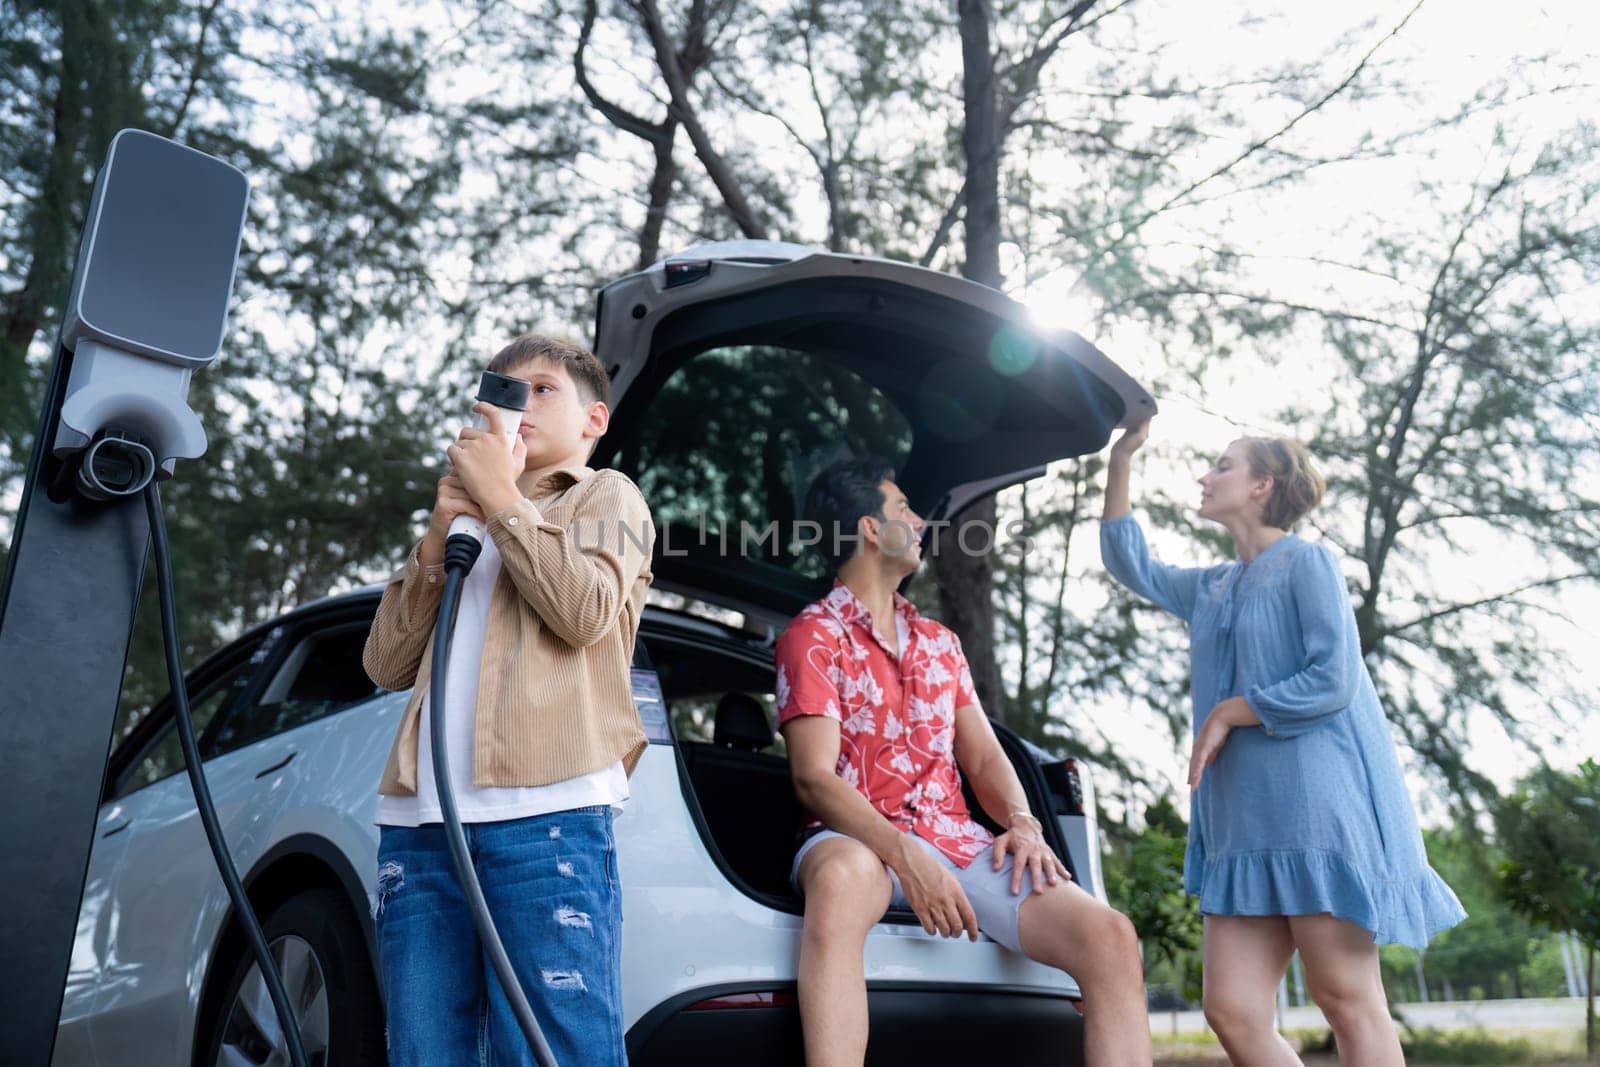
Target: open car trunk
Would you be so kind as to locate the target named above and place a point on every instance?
(718, 689)
(741, 369)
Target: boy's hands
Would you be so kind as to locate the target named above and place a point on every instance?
(450, 500)
(487, 465)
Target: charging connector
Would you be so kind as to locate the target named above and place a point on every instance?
(115, 465)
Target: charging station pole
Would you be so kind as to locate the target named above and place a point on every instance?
(148, 305)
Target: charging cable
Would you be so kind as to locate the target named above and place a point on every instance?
(461, 551)
(202, 793)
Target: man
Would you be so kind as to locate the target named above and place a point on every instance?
(877, 707)
(542, 728)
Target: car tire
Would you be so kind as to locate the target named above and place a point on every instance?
(322, 957)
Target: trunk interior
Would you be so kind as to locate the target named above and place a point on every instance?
(736, 774)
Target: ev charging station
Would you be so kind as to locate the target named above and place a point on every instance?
(148, 306)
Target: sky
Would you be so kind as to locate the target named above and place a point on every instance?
(1449, 49)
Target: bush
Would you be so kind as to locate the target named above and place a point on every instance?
(1464, 1047)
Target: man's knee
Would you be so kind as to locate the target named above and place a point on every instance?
(1115, 942)
(1119, 934)
(1097, 942)
(848, 881)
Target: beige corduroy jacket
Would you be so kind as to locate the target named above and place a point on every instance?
(554, 699)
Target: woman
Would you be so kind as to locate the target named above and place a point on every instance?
(1301, 833)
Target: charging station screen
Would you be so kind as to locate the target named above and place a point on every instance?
(161, 265)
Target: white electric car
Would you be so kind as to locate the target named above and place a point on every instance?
(739, 370)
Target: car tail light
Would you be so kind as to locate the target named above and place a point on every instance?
(777, 998)
(683, 271)
(1066, 788)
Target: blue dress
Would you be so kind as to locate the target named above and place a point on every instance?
(1308, 812)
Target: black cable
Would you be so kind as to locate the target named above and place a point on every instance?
(202, 793)
(461, 551)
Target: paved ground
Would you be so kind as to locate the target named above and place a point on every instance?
(1455, 1015)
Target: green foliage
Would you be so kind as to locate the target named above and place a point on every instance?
(1550, 829)
(1483, 955)
(1064, 664)
(1465, 1047)
(1144, 880)
(1469, 421)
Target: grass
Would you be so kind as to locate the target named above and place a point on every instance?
(1455, 1048)
(1478, 1046)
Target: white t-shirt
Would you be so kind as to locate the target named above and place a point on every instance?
(609, 785)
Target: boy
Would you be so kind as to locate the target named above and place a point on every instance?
(877, 707)
(541, 726)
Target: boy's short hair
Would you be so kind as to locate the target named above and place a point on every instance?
(582, 365)
(839, 497)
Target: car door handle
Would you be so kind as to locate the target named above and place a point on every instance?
(117, 829)
(280, 765)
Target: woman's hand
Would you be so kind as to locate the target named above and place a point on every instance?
(1117, 500)
(1131, 440)
(1207, 746)
(487, 465)
(1028, 851)
(1235, 711)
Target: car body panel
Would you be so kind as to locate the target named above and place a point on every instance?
(166, 907)
(97, 924)
(685, 927)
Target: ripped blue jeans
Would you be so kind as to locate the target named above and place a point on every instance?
(551, 885)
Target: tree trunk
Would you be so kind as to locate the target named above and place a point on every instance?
(966, 580)
(1588, 1013)
(661, 182)
(717, 169)
(980, 144)
(966, 599)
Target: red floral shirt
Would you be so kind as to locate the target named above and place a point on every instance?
(896, 716)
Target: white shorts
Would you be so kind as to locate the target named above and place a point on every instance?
(987, 890)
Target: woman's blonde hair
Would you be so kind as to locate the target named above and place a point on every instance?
(1297, 487)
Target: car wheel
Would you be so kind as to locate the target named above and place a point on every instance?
(319, 951)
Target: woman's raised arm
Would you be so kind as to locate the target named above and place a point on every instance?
(1122, 544)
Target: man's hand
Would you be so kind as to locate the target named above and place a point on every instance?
(1235, 711)
(933, 892)
(1029, 852)
(486, 464)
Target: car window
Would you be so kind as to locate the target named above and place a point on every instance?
(164, 755)
(322, 676)
(694, 679)
(735, 436)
